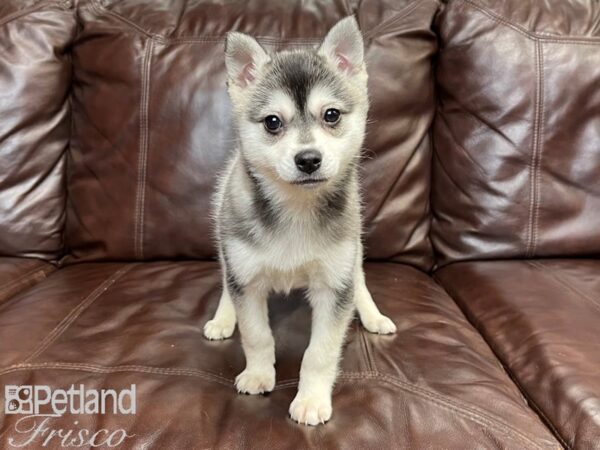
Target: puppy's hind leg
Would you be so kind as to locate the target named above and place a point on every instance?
(369, 314)
(223, 323)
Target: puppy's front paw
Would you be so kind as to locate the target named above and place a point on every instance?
(217, 329)
(255, 382)
(379, 324)
(310, 410)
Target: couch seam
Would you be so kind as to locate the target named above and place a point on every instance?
(383, 202)
(531, 402)
(367, 350)
(460, 407)
(563, 281)
(62, 326)
(26, 11)
(535, 160)
(469, 412)
(101, 10)
(540, 151)
(577, 40)
(376, 31)
(98, 368)
(309, 41)
(31, 274)
(140, 197)
(367, 34)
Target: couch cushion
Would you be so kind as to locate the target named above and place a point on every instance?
(516, 135)
(435, 384)
(152, 120)
(17, 274)
(35, 73)
(542, 318)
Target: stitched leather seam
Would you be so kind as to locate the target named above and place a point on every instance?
(535, 157)
(405, 11)
(469, 412)
(267, 40)
(383, 199)
(368, 34)
(583, 40)
(21, 280)
(366, 348)
(24, 12)
(96, 368)
(540, 150)
(77, 311)
(101, 10)
(116, 369)
(479, 327)
(140, 198)
(563, 281)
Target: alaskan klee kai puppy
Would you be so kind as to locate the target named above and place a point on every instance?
(288, 208)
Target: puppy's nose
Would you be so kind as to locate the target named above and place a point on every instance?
(308, 161)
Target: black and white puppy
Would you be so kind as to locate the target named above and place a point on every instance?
(288, 206)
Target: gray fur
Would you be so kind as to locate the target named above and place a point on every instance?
(297, 73)
(336, 209)
(282, 227)
(264, 206)
(344, 297)
(236, 289)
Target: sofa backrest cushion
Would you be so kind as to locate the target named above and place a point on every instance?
(516, 169)
(152, 121)
(35, 74)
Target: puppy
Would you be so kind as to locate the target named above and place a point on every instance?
(288, 207)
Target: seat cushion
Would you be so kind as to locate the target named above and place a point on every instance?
(516, 135)
(542, 319)
(152, 122)
(35, 77)
(17, 274)
(435, 384)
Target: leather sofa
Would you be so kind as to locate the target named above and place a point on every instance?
(481, 185)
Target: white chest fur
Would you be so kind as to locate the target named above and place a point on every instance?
(289, 259)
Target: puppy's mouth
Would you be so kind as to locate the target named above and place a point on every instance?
(310, 181)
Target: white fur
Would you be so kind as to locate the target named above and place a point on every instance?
(299, 254)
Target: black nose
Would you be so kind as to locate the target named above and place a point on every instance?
(308, 161)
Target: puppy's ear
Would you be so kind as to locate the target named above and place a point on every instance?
(243, 58)
(343, 46)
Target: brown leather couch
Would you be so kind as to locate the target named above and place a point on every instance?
(482, 224)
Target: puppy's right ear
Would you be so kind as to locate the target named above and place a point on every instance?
(243, 58)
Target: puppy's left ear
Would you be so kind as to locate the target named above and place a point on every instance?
(343, 46)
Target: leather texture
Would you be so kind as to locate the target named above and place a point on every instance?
(114, 115)
(435, 384)
(16, 274)
(541, 317)
(517, 129)
(151, 163)
(35, 78)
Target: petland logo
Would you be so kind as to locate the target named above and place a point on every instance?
(40, 405)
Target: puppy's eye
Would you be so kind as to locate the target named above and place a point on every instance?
(273, 124)
(332, 116)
